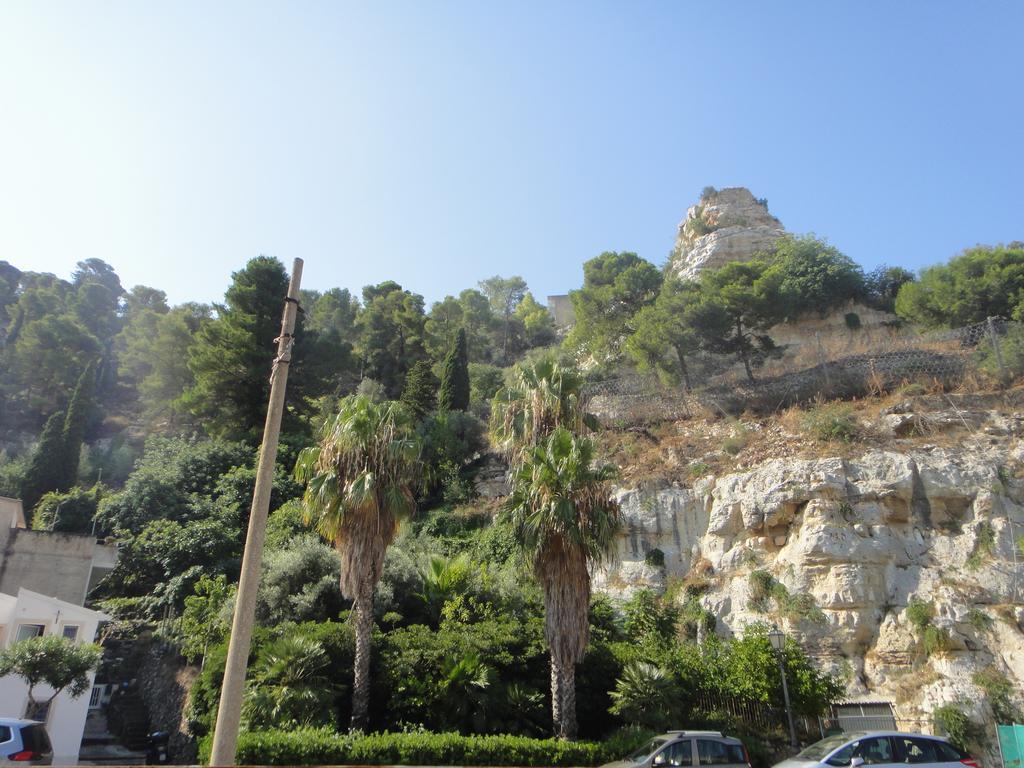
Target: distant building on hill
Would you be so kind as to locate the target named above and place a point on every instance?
(562, 311)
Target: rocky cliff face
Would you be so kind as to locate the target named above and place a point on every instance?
(835, 549)
(726, 225)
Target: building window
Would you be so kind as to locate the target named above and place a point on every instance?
(26, 631)
(70, 632)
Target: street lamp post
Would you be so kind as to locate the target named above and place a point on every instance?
(778, 641)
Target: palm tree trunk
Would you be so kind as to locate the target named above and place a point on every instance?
(556, 695)
(363, 606)
(567, 726)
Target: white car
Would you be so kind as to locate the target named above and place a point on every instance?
(880, 748)
(24, 742)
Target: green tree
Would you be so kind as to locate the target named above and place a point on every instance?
(360, 479)
(44, 474)
(299, 583)
(883, 286)
(391, 334)
(419, 394)
(543, 396)
(504, 295)
(52, 661)
(565, 520)
(204, 620)
(442, 323)
(981, 282)
(538, 327)
(49, 356)
(666, 333)
(154, 358)
(741, 301)
(616, 286)
(478, 322)
(78, 416)
(231, 357)
(454, 392)
(813, 276)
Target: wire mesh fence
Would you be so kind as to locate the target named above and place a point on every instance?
(852, 364)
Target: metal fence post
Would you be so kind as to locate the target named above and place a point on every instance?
(994, 339)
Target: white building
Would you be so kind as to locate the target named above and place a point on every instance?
(30, 614)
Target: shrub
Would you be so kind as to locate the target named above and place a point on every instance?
(920, 613)
(647, 696)
(999, 691)
(324, 747)
(935, 640)
(655, 557)
(733, 445)
(949, 719)
(835, 421)
(984, 545)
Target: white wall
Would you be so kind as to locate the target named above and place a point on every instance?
(66, 720)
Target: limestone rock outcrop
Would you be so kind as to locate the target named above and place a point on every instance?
(854, 542)
(726, 225)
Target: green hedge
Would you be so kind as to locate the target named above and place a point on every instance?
(324, 747)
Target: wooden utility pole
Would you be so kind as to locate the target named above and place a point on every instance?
(229, 713)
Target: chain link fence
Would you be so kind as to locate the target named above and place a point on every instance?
(851, 364)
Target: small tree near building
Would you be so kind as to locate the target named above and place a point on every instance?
(52, 661)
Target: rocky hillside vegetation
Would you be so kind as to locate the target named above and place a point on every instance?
(885, 535)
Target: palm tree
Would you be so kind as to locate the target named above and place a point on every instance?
(544, 395)
(359, 486)
(565, 520)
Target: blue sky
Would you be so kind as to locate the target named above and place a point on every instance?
(437, 144)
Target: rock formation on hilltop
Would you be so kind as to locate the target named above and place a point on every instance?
(726, 225)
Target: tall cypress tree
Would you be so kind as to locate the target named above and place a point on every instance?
(454, 395)
(74, 427)
(419, 394)
(44, 471)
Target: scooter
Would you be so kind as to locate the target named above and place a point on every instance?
(157, 753)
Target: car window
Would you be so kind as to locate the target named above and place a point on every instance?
(645, 751)
(843, 756)
(819, 749)
(874, 751)
(917, 750)
(711, 752)
(676, 754)
(948, 753)
(5, 734)
(35, 738)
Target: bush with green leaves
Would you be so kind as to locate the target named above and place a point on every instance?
(1000, 693)
(300, 583)
(1009, 363)
(950, 720)
(323, 747)
(647, 696)
(832, 422)
(68, 512)
(289, 686)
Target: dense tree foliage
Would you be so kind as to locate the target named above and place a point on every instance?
(616, 286)
(454, 392)
(981, 282)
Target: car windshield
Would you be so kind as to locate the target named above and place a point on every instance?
(820, 749)
(645, 751)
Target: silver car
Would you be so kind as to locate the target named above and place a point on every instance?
(881, 748)
(687, 748)
(24, 742)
